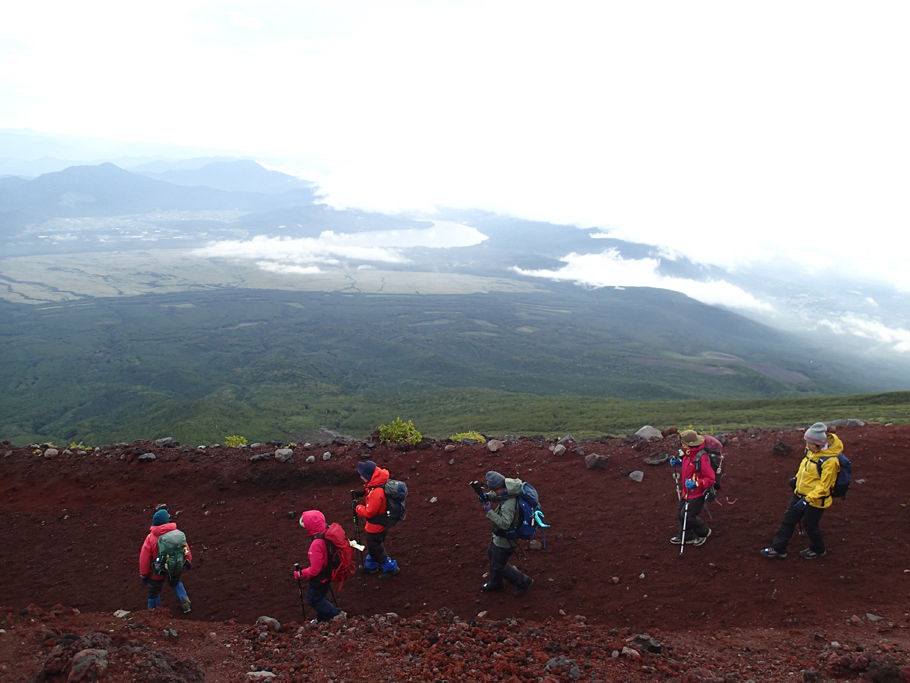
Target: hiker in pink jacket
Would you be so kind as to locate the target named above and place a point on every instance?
(318, 574)
(154, 577)
(697, 476)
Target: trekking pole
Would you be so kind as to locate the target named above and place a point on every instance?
(676, 469)
(359, 547)
(682, 535)
(300, 593)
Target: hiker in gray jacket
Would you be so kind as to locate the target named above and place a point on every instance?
(505, 516)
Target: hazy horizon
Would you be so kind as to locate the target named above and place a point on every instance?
(766, 145)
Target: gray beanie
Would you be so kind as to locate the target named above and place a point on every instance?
(495, 480)
(817, 434)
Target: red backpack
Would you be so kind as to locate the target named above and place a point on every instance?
(340, 563)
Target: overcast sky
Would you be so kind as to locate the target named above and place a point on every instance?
(736, 134)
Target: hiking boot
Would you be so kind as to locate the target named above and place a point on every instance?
(677, 540)
(185, 605)
(700, 540)
(521, 590)
(772, 553)
(490, 587)
(809, 554)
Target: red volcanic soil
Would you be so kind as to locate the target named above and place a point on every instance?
(613, 600)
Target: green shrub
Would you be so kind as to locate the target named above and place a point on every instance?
(399, 431)
(474, 436)
(234, 441)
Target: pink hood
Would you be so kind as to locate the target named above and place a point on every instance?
(313, 521)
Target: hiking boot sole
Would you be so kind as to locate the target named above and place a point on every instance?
(675, 541)
(388, 575)
(772, 554)
(809, 554)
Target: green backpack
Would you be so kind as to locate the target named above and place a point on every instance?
(171, 554)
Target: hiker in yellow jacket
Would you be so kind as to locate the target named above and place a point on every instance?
(811, 493)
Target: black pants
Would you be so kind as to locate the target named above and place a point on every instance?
(376, 546)
(501, 569)
(694, 524)
(155, 585)
(317, 598)
(810, 517)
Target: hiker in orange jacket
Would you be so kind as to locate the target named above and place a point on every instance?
(698, 476)
(318, 574)
(372, 510)
(161, 524)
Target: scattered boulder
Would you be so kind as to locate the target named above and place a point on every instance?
(88, 665)
(147, 457)
(166, 442)
(782, 449)
(596, 461)
(269, 623)
(558, 449)
(494, 445)
(51, 453)
(657, 459)
(643, 641)
(649, 433)
(637, 475)
(564, 666)
(284, 454)
(260, 457)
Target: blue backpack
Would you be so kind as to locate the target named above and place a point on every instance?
(530, 516)
(844, 476)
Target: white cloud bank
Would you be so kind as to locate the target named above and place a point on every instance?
(609, 269)
(304, 255)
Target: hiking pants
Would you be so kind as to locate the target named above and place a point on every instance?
(376, 546)
(810, 517)
(316, 597)
(694, 524)
(501, 569)
(155, 585)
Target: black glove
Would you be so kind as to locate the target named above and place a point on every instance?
(354, 504)
(358, 493)
(187, 564)
(792, 483)
(144, 578)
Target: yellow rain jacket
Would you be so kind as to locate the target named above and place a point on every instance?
(815, 488)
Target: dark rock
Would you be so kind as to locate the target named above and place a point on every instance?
(782, 449)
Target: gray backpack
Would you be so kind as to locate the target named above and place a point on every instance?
(171, 554)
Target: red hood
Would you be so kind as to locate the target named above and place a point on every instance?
(380, 477)
(162, 528)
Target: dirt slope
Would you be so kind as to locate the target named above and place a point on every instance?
(72, 525)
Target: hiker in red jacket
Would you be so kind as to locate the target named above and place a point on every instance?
(162, 524)
(372, 510)
(698, 476)
(318, 573)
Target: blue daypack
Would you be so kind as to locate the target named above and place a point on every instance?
(844, 475)
(530, 516)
